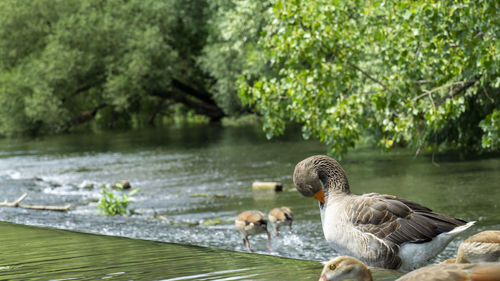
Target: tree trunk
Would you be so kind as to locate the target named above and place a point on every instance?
(200, 101)
(84, 116)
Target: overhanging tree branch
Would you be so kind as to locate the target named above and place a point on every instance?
(86, 87)
(199, 106)
(336, 52)
(84, 116)
(199, 100)
(201, 95)
(464, 86)
(368, 75)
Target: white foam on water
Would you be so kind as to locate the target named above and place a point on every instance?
(15, 175)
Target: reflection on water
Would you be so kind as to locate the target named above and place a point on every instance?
(48, 254)
(191, 177)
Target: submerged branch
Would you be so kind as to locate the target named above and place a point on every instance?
(18, 204)
(15, 203)
(64, 208)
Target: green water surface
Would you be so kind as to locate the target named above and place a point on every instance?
(32, 253)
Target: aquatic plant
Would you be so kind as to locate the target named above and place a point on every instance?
(111, 204)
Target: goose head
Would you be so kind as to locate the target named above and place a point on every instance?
(306, 180)
(318, 174)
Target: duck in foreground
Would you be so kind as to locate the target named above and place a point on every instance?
(381, 230)
(251, 223)
(348, 268)
(280, 216)
(481, 247)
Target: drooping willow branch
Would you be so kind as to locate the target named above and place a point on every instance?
(464, 86)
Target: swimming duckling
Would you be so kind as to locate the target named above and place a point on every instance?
(489, 271)
(251, 223)
(481, 247)
(343, 268)
(280, 216)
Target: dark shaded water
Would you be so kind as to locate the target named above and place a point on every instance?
(193, 176)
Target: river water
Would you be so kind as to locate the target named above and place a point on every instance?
(29, 253)
(193, 181)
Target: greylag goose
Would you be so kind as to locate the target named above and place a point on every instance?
(344, 268)
(481, 247)
(251, 223)
(280, 216)
(381, 230)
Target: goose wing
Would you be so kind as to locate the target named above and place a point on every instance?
(398, 220)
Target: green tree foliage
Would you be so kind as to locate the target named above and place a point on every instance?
(418, 73)
(62, 62)
(231, 49)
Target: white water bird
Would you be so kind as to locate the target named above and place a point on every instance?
(380, 230)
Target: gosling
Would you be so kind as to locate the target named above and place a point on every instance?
(481, 247)
(279, 217)
(251, 223)
(344, 268)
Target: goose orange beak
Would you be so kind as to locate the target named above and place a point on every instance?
(320, 196)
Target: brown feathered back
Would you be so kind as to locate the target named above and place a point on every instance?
(455, 272)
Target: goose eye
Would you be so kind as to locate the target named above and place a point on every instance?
(332, 267)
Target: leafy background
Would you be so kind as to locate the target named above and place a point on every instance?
(419, 74)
